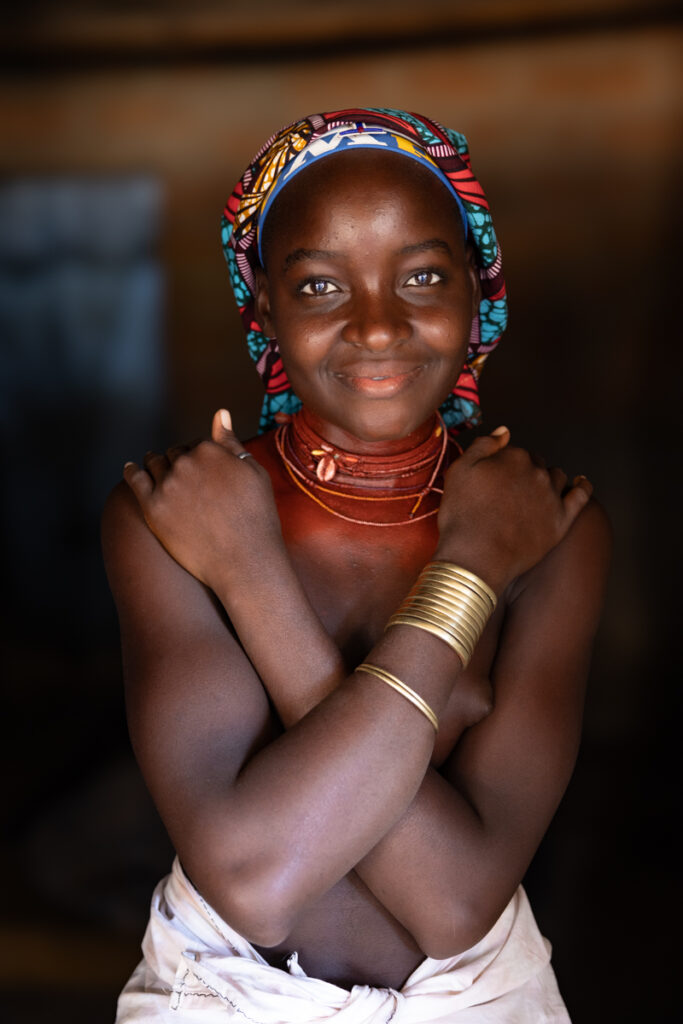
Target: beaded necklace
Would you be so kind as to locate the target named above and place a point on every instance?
(310, 462)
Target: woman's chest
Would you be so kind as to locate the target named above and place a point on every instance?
(355, 580)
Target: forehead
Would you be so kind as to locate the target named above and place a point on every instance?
(338, 186)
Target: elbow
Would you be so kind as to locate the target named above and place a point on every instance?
(259, 911)
(250, 899)
(452, 929)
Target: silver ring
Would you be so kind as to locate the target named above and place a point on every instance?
(245, 455)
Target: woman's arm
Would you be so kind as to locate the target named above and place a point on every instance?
(331, 787)
(449, 867)
(264, 824)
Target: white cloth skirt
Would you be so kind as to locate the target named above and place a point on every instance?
(195, 967)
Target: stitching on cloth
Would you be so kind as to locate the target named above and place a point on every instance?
(178, 991)
(212, 993)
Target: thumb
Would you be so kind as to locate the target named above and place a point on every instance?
(221, 427)
(488, 444)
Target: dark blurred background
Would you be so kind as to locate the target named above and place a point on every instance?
(124, 127)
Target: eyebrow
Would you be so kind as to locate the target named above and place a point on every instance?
(308, 254)
(299, 255)
(430, 243)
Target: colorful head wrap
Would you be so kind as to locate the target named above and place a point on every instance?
(443, 151)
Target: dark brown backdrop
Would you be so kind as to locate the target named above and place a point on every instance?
(573, 118)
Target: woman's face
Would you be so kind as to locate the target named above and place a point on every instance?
(370, 291)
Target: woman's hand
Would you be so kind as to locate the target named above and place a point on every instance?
(503, 511)
(210, 505)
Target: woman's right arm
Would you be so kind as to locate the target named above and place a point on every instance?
(263, 823)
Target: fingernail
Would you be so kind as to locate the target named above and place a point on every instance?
(226, 419)
(577, 479)
(127, 464)
(498, 431)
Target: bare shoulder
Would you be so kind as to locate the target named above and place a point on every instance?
(144, 577)
(140, 572)
(122, 522)
(120, 509)
(576, 569)
(590, 535)
(162, 608)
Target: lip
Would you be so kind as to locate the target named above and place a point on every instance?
(379, 382)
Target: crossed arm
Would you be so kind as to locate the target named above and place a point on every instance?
(265, 823)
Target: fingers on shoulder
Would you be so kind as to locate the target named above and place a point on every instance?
(143, 480)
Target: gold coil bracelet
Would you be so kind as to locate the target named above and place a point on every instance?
(451, 603)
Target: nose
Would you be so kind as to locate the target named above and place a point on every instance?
(376, 321)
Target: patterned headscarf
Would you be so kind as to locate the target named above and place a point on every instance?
(443, 151)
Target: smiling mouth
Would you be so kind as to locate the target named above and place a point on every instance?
(378, 385)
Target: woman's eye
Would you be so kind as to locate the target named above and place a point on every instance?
(423, 278)
(318, 286)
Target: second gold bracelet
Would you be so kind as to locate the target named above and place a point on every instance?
(397, 684)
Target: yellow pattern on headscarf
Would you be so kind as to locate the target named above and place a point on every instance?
(274, 160)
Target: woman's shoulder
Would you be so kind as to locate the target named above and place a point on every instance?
(590, 536)
(576, 569)
(121, 516)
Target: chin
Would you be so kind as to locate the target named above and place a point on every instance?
(371, 420)
(384, 425)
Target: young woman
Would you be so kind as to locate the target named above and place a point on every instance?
(355, 656)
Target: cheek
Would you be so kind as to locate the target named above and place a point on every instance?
(303, 355)
(449, 335)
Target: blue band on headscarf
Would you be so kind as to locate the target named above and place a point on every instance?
(358, 136)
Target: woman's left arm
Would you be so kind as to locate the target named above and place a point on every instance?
(449, 867)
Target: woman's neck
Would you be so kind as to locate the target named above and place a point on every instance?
(402, 464)
(386, 484)
(347, 442)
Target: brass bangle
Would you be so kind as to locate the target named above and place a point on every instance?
(451, 603)
(402, 688)
(455, 609)
(454, 588)
(453, 625)
(463, 651)
(476, 581)
(457, 587)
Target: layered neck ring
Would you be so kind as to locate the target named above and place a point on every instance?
(391, 484)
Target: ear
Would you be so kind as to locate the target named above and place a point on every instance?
(475, 280)
(262, 303)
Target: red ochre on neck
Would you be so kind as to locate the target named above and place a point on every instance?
(369, 489)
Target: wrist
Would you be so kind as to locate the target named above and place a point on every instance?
(450, 602)
(490, 570)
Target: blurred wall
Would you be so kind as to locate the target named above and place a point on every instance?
(574, 126)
